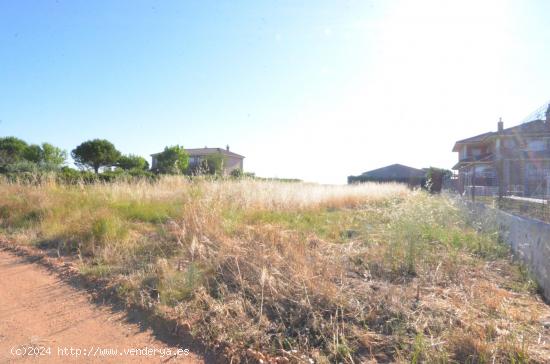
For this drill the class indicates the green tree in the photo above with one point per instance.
(12, 150)
(46, 154)
(95, 154)
(53, 155)
(33, 153)
(435, 179)
(214, 163)
(132, 162)
(173, 160)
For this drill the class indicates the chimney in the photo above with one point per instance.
(500, 125)
(227, 147)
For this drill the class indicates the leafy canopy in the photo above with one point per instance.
(435, 178)
(132, 162)
(12, 150)
(46, 154)
(173, 160)
(16, 151)
(33, 153)
(95, 154)
(214, 163)
(53, 155)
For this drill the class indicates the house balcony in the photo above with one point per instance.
(473, 158)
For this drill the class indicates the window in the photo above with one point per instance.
(463, 152)
(536, 145)
(509, 143)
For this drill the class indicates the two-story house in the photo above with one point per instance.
(231, 160)
(511, 161)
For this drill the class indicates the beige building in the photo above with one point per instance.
(231, 160)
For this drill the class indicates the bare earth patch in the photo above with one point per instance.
(39, 310)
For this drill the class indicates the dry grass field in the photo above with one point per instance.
(295, 272)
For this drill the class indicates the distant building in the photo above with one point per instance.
(231, 160)
(393, 173)
(515, 159)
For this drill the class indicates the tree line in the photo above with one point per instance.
(100, 155)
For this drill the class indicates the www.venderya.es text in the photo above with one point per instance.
(95, 351)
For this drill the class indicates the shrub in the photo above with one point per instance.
(112, 176)
(132, 162)
(22, 167)
(137, 173)
(214, 163)
(173, 160)
(435, 178)
(126, 176)
(237, 173)
(71, 176)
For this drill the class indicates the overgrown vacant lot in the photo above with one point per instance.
(266, 270)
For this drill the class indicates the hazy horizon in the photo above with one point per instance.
(316, 90)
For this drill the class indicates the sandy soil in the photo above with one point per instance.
(38, 311)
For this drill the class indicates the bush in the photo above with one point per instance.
(22, 167)
(29, 172)
(126, 176)
(112, 176)
(173, 160)
(71, 176)
(435, 178)
(214, 163)
(130, 162)
(237, 173)
(138, 173)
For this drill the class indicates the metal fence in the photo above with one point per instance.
(536, 208)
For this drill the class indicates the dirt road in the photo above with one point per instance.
(41, 314)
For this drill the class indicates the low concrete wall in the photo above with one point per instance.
(528, 238)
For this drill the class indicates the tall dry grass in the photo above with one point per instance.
(290, 270)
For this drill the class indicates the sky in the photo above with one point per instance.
(316, 90)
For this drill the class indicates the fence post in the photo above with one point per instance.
(500, 177)
(474, 183)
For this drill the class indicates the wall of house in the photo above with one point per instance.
(472, 150)
(529, 239)
(232, 163)
(513, 144)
